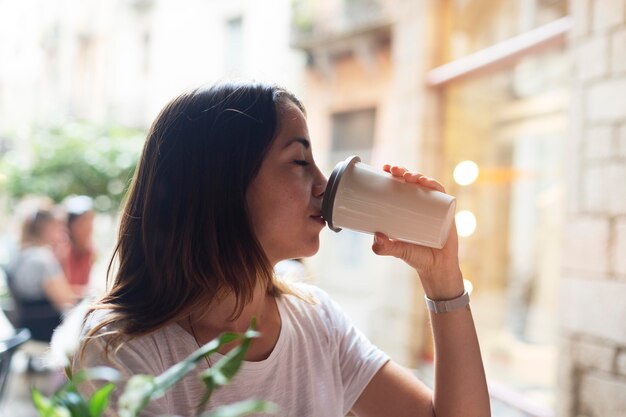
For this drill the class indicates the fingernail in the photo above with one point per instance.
(378, 240)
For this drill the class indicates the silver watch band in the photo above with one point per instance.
(448, 305)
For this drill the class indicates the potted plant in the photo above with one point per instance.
(141, 389)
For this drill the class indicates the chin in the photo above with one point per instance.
(312, 252)
(306, 251)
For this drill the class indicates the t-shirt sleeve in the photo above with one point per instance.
(50, 266)
(130, 359)
(35, 268)
(359, 359)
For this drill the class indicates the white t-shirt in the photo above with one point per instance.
(33, 266)
(319, 367)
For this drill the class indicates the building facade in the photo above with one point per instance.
(592, 375)
(122, 60)
(118, 62)
(518, 106)
(530, 93)
(364, 96)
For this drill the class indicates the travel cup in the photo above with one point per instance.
(362, 198)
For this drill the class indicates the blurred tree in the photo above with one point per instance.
(75, 158)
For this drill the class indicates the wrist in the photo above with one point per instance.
(443, 285)
(446, 306)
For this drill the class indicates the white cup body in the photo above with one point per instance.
(361, 198)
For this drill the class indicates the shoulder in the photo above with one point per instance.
(102, 325)
(103, 330)
(94, 319)
(308, 297)
(40, 253)
(41, 257)
(34, 264)
(105, 345)
(315, 305)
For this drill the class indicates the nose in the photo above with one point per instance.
(319, 187)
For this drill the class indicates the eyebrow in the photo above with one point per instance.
(301, 141)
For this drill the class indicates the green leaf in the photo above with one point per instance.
(47, 407)
(103, 373)
(100, 400)
(137, 393)
(225, 369)
(140, 389)
(243, 408)
(168, 378)
(72, 401)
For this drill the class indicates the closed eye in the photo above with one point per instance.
(301, 162)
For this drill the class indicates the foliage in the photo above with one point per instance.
(141, 389)
(75, 159)
(302, 19)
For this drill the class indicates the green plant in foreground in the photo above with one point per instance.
(141, 389)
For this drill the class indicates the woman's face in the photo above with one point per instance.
(285, 199)
(81, 229)
(53, 232)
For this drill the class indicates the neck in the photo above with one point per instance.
(218, 317)
(80, 247)
(207, 323)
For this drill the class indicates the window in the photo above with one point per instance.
(353, 134)
(233, 45)
(513, 124)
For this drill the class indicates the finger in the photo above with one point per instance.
(412, 177)
(416, 177)
(397, 171)
(387, 168)
(381, 244)
(431, 183)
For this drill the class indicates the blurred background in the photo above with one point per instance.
(517, 106)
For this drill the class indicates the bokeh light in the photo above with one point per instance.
(465, 223)
(466, 172)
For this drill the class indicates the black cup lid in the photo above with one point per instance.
(331, 190)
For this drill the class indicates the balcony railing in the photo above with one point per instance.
(340, 19)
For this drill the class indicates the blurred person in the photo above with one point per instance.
(227, 187)
(35, 276)
(77, 256)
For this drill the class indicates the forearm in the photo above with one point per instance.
(460, 383)
(59, 292)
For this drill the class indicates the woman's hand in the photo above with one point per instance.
(438, 268)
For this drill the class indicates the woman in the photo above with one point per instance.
(36, 278)
(78, 256)
(227, 187)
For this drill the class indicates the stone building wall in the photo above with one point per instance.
(593, 287)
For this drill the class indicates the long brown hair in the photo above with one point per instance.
(185, 233)
(34, 225)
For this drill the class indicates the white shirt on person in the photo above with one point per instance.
(32, 267)
(319, 366)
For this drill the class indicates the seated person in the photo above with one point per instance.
(35, 277)
(78, 257)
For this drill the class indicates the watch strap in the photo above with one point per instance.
(445, 306)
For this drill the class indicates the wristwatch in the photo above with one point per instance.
(446, 306)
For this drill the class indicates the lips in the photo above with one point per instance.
(318, 218)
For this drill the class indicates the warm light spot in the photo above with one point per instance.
(465, 172)
(465, 223)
